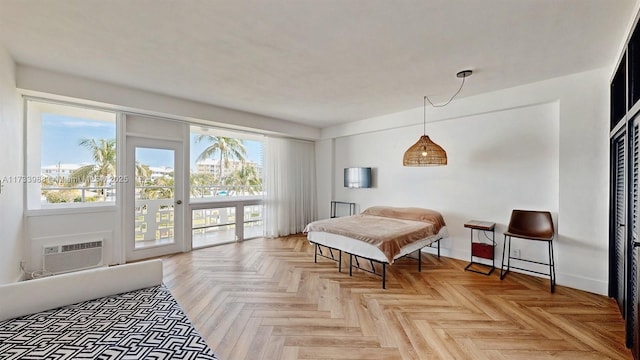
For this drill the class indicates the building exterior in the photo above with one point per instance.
(212, 166)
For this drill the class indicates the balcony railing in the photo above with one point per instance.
(154, 222)
(213, 222)
(77, 194)
(205, 191)
(85, 194)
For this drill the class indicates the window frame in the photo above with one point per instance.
(237, 134)
(33, 160)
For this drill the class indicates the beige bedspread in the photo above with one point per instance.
(387, 228)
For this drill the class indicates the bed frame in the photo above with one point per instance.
(331, 256)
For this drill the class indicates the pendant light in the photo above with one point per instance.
(425, 152)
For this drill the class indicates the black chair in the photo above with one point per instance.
(530, 225)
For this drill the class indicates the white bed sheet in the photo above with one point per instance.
(363, 249)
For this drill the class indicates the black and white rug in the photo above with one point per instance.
(142, 324)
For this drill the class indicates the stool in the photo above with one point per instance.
(530, 225)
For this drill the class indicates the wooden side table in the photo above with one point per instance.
(480, 249)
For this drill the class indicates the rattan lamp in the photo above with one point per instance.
(425, 152)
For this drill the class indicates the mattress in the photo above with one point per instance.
(142, 324)
(366, 250)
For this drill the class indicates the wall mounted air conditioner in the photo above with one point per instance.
(58, 259)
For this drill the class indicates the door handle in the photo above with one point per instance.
(636, 244)
(178, 202)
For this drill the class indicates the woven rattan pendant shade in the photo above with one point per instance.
(425, 153)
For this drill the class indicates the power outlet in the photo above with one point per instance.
(22, 265)
(515, 253)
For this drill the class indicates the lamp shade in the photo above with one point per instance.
(425, 153)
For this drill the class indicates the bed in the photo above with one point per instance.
(379, 234)
(122, 312)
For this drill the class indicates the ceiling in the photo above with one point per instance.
(316, 62)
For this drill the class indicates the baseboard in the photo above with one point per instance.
(573, 281)
(582, 283)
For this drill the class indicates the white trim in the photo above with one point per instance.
(595, 286)
(77, 209)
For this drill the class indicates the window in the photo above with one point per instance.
(226, 186)
(71, 156)
(225, 164)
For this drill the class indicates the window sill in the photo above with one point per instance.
(201, 203)
(71, 210)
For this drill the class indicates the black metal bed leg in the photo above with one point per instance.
(315, 254)
(350, 264)
(438, 249)
(384, 275)
(340, 261)
(419, 260)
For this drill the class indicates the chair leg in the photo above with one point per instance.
(503, 272)
(552, 269)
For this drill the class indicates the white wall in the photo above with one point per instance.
(539, 146)
(37, 80)
(45, 228)
(11, 164)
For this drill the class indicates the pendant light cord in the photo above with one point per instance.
(450, 100)
(424, 117)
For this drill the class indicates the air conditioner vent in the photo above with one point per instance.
(81, 246)
(58, 259)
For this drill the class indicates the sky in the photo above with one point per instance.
(61, 136)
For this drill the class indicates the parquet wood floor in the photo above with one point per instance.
(267, 299)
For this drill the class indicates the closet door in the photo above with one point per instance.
(634, 240)
(618, 254)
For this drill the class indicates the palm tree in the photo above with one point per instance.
(159, 188)
(143, 172)
(229, 148)
(103, 152)
(246, 178)
(201, 184)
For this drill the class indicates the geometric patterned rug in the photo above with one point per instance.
(142, 324)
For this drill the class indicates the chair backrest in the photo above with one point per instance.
(531, 224)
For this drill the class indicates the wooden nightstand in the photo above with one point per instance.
(480, 249)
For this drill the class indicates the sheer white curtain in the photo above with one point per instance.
(290, 188)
